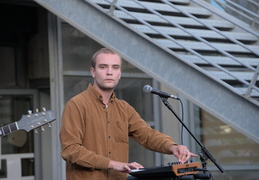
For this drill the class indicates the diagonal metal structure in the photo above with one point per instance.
(212, 67)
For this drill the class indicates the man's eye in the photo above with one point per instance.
(116, 67)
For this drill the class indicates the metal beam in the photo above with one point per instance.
(162, 64)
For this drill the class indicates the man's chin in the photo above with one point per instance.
(107, 88)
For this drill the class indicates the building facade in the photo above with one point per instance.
(45, 61)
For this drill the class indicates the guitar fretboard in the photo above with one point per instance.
(8, 129)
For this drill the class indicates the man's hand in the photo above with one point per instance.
(182, 153)
(124, 167)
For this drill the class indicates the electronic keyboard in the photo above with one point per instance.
(174, 170)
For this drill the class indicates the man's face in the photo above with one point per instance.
(107, 71)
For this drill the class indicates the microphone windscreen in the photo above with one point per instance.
(147, 88)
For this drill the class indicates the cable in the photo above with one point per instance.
(181, 130)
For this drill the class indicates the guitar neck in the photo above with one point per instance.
(7, 129)
(29, 122)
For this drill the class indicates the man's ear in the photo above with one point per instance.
(92, 72)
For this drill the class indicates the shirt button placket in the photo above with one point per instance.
(108, 132)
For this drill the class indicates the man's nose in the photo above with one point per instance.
(109, 71)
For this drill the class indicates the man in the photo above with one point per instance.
(96, 126)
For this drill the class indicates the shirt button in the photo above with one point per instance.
(110, 152)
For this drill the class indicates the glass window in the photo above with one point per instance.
(73, 85)
(77, 49)
(12, 109)
(18, 143)
(237, 153)
(7, 67)
(3, 170)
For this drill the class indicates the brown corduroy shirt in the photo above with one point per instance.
(93, 133)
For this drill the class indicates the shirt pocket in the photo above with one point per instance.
(121, 132)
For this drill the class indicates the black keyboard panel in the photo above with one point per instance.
(154, 172)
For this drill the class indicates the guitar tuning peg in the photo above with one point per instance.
(29, 113)
(43, 109)
(42, 128)
(35, 131)
(36, 114)
(49, 125)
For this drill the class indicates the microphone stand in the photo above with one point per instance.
(203, 148)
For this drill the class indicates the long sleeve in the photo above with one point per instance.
(150, 138)
(72, 134)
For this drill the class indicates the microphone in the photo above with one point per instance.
(149, 89)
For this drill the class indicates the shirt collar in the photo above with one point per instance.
(97, 95)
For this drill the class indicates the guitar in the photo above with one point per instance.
(29, 122)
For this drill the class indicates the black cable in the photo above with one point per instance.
(181, 131)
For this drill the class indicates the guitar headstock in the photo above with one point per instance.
(35, 120)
